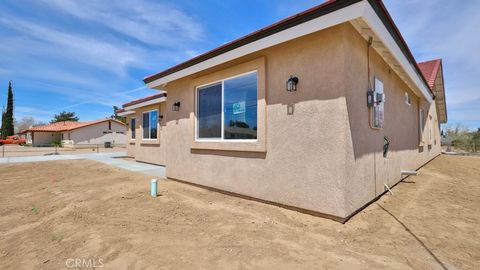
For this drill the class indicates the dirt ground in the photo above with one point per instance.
(23, 151)
(104, 217)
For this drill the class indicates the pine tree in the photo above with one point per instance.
(115, 115)
(8, 128)
(64, 116)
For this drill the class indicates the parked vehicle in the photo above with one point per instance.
(13, 140)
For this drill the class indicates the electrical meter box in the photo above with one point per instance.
(370, 98)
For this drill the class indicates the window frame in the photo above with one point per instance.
(133, 128)
(222, 138)
(149, 125)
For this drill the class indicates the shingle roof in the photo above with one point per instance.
(140, 100)
(430, 70)
(67, 125)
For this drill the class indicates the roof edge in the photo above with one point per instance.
(318, 11)
(309, 14)
(86, 124)
(144, 99)
(397, 36)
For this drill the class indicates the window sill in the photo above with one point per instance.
(150, 142)
(237, 146)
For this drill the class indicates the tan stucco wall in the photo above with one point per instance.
(150, 151)
(304, 161)
(130, 141)
(322, 157)
(367, 169)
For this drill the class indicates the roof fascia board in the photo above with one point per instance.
(96, 123)
(125, 113)
(328, 20)
(377, 26)
(361, 9)
(145, 103)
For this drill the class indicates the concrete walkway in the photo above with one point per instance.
(130, 165)
(112, 159)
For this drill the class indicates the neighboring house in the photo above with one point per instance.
(285, 115)
(78, 134)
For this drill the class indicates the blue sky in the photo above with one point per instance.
(86, 56)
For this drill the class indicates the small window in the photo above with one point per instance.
(420, 124)
(227, 110)
(379, 107)
(408, 99)
(109, 125)
(430, 129)
(150, 129)
(132, 127)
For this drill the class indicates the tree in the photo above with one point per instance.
(7, 115)
(462, 138)
(476, 140)
(2, 130)
(64, 116)
(26, 123)
(115, 115)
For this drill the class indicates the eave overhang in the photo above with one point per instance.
(371, 15)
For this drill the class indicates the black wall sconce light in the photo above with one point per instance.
(176, 106)
(292, 84)
(160, 117)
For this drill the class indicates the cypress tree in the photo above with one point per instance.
(9, 112)
(7, 121)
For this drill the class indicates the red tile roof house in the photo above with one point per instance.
(320, 112)
(78, 134)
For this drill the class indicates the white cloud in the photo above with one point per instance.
(149, 22)
(38, 114)
(55, 44)
(79, 67)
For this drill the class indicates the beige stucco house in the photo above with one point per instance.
(78, 134)
(319, 112)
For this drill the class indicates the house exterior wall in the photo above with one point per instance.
(367, 170)
(130, 141)
(315, 149)
(303, 160)
(96, 134)
(149, 151)
(43, 138)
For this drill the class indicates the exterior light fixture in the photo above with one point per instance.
(176, 106)
(292, 84)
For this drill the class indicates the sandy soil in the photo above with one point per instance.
(105, 216)
(23, 151)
